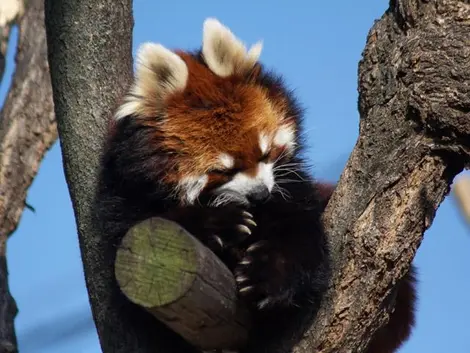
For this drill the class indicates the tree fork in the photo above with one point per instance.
(414, 138)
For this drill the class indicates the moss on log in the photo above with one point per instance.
(164, 269)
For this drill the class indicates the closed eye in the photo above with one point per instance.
(225, 172)
(264, 157)
(278, 154)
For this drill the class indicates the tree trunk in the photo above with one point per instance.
(27, 130)
(90, 43)
(414, 138)
(414, 101)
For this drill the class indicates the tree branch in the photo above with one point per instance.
(27, 131)
(414, 86)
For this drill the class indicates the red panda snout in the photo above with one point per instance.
(253, 188)
(241, 186)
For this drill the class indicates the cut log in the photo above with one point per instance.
(164, 269)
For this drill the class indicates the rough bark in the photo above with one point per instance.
(414, 101)
(414, 138)
(90, 47)
(27, 130)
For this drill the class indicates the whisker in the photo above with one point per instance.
(283, 170)
(298, 175)
(286, 172)
(283, 174)
(282, 191)
(288, 181)
(305, 132)
(287, 165)
(283, 153)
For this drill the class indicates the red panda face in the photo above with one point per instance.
(223, 130)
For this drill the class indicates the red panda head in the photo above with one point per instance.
(222, 121)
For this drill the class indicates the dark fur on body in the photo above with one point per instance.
(291, 265)
(289, 262)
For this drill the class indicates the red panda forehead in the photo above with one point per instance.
(218, 110)
(236, 93)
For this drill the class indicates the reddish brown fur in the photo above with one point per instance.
(215, 115)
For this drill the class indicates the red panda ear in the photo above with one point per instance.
(159, 72)
(224, 53)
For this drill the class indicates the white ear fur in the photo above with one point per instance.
(224, 53)
(159, 72)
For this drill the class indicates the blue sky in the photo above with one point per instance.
(317, 46)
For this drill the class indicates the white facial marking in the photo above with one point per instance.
(226, 160)
(263, 143)
(191, 187)
(285, 136)
(266, 175)
(131, 106)
(244, 184)
(158, 73)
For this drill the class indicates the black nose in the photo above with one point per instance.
(259, 194)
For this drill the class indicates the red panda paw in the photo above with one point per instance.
(228, 227)
(262, 276)
(222, 229)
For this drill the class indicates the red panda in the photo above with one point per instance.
(392, 335)
(212, 140)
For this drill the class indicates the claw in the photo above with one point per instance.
(249, 221)
(247, 214)
(218, 240)
(255, 246)
(243, 229)
(240, 279)
(262, 303)
(246, 289)
(245, 261)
